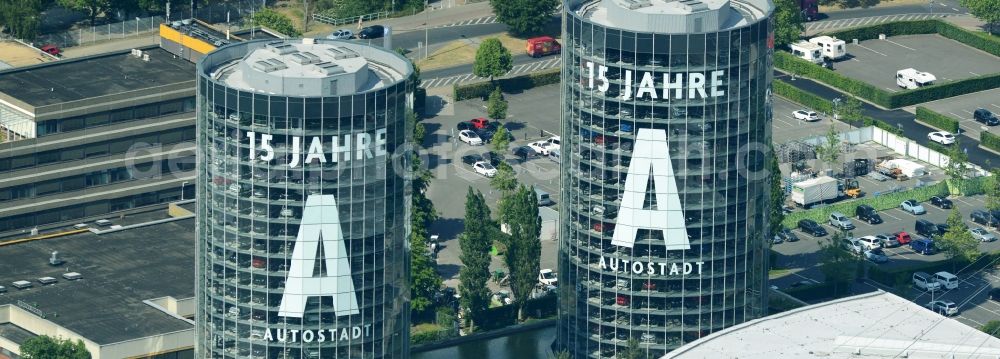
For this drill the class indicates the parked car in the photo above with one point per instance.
(985, 117)
(902, 238)
(923, 246)
(524, 153)
(812, 228)
(868, 214)
(805, 115)
(471, 159)
(995, 294)
(942, 137)
(870, 242)
(947, 280)
(547, 277)
(887, 240)
(540, 146)
(839, 220)
(942, 228)
(925, 281)
(876, 255)
(943, 307)
(984, 218)
(787, 235)
(485, 168)
(372, 32)
(982, 235)
(912, 206)
(470, 137)
(342, 34)
(941, 202)
(852, 245)
(925, 228)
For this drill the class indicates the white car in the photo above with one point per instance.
(554, 143)
(806, 115)
(870, 242)
(913, 207)
(485, 168)
(942, 137)
(540, 147)
(470, 137)
(982, 235)
(547, 277)
(342, 34)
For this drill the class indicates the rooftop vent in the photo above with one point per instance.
(329, 68)
(22, 284)
(269, 65)
(694, 5)
(47, 280)
(55, 260)
(636, 4)
(305, 58)
(280, 47)
(72, 276)
(340, 53)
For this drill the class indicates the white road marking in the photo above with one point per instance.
(890, 216)
(995, 105)
(890, 89)
(973, 73)
(869, 49)
(901, 45)
(971, 320)
(956, 10)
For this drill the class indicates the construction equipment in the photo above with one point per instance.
(851, 188)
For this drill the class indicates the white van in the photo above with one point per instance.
(832, 47)
(911, 79)
(808, 51)
(925, 281)
(947, 280)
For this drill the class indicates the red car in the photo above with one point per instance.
(621, 300)
(51, 50)
(479, 123)
(903, 238)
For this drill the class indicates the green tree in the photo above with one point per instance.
(850, 4)
(475, 242)
(419, 130)
(524, 249)
(276, 21)
(20, 18)
(496, 107)
(775, 215)
(957, 243)
(492, 59)
(93, 8)
(986, 10)
(424, 279)
(445, 318)
(992, 189)
(525, 16)
(633, 350)
(992, 328)
(564, 354)
(850, 110)
(787, 22)
(46, 347)
(958, 161)
(501, 141)
(829, 150)
(839, 266)
(506, 178)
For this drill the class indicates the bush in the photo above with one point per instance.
(944, 90)
(968, 186)
(426, 333)
(879, 202)
(989, 140)
(937, 120)
(508, 85)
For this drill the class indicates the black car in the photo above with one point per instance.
(471, 159)
(941, 202)
(986, 117)
(524, 153)
(868, 214)
(942, 228)
(925, 228)
(786, 235)
(995, 294)
(812, 228)
(984, 218)
(372, 32)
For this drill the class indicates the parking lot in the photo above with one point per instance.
(876, 61)
(786, 128)
(961, 108)
(971, 296)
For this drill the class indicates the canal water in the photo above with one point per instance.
(533, 344)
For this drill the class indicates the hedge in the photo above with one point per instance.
(817, 103)
(513, 84)
(880, 202)
(788, 62)
(903, 276)
(968, 186)
(937, 120)
(428, 333)
(982, 41)
(818, 291)
(989, 140)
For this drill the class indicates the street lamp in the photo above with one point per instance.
(427, 16)
(182, 189)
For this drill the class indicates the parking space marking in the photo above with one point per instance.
(903, 46)
(869, 49)
(971, 320)
(973, 73)
(994, 105)
(892, 250)
(891, 216)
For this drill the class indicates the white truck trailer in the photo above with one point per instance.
(831, 47)
(911, 79)
(808, 51)
(816, 190)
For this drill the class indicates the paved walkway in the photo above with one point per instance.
(452, 16)
(111, 46)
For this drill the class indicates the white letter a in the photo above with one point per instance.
(320, 223)
(651, 154)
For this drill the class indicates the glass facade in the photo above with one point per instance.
(292, 190)
(662, 252)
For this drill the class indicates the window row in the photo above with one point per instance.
(143, 142)
(51, 127)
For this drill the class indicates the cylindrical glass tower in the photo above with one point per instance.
(302, 219)
(665, 117)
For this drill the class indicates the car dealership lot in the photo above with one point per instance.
(876, 61)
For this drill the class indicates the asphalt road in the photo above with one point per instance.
(943, 6)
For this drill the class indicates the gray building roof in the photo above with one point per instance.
(873, 325)
(672, 16)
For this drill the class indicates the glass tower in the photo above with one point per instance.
(665, 120)
(302, 207)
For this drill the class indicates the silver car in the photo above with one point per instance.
(982, 235)
(342, 34)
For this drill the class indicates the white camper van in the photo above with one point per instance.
(832, 47)
(808, 51)
(912, 79)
